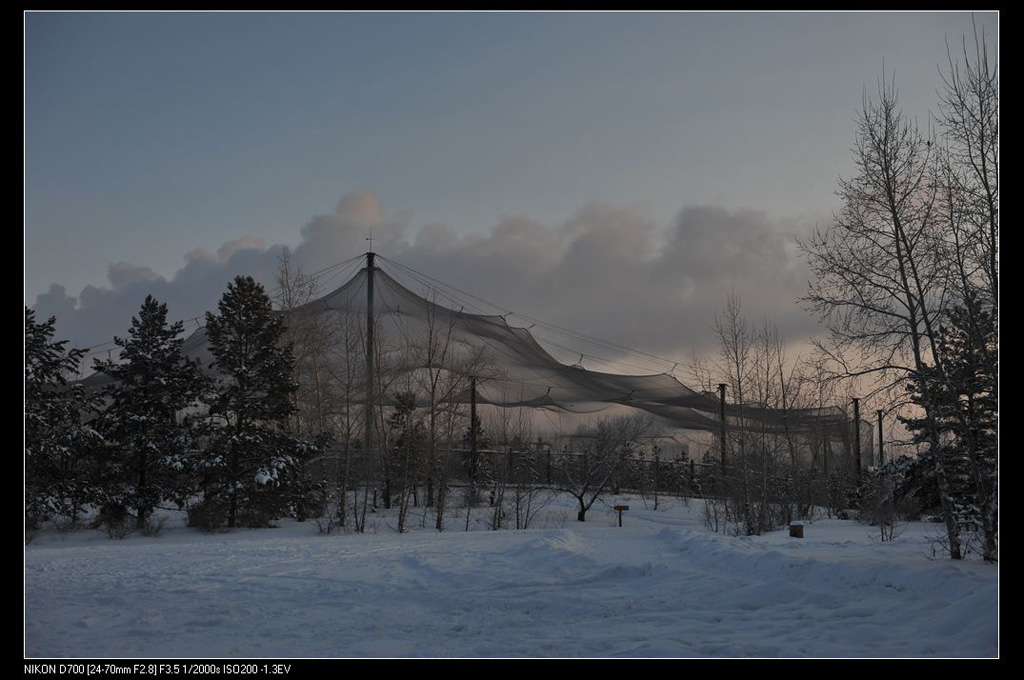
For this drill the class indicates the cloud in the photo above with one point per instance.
(225, 252)
(55, 302)
(609, 271)
(123, 274)
(614, 273)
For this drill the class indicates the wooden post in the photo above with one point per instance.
(856, 433)
(721, 416)
(620, 509)
(656, 476)
(881, 451)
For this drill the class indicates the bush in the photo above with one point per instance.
(32, 521)
(119, 529)
(153, 527)
(209, 514)
(327, 510)
(314, 500)
(883, 507)
(114, 519)
(65, 524)
(257, 517)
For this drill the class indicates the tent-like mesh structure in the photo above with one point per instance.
(417, 332)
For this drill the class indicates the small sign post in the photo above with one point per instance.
(620, 509)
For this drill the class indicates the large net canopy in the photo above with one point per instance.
(427, 331)
(441, 330)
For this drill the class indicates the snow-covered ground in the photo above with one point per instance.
(660, 586)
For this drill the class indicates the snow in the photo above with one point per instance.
(660, 586)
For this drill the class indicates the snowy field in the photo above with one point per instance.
(661, 586)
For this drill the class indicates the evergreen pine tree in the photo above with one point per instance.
(252, 461)
(59, 442)
(962, 394)
(148, 443)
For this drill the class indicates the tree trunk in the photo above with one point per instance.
(948, 516)
(140, 508)
(343, 487)
(233, 505)
(441, 497)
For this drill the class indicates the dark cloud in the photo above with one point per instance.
(226, 251)
(123, 274)
(609, 271)
(55, 302)
(328, 239)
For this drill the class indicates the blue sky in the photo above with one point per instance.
(151, 135)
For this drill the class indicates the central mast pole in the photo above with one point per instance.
(370, 371)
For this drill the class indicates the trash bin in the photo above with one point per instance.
(796, 529)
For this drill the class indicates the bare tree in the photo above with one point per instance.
(436, 356)
(736, 363)
(515, 491)
(968, 177)
(310, 336)
(752, 494)
(346, 372)
(447, 419)
(408, 438)
(879, 271)
(826, 480)
(529, 495)
(448, 367)
(391, 377)
(608, 444)
(969, 120)
(773, 448)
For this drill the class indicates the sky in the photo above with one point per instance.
(615, 173)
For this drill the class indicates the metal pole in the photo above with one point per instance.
(721, 416)
(881, 451)
(856, 432)
(368, 437)
(472, 432)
